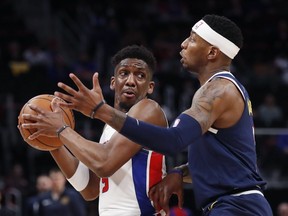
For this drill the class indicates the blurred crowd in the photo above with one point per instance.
(32, 64)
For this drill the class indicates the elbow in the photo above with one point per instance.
(90, 197)
(102, 170)
(90, 193)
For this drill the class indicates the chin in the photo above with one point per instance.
(126, 106)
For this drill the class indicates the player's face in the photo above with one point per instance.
(194, 52)
(131, 82)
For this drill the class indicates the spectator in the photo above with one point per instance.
(4, 210)
(269, 113)
(43, 184)
(282, 209)
(61, 200)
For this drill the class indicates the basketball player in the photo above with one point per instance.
(217, 128)
(127, 170)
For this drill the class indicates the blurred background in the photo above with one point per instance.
(42, 41)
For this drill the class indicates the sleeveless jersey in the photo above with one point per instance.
(125, 193)
(224, 160)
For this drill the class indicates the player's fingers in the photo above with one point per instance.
(65, 97)
(30, 117)
(29, 125)
(151, 192)
(67, 88)
(96, 85)
(36, 109)
(154, 197)
(21, 132)
(77, 82)
(164, 202)
(55, 105)
(34, 135)
(180, 199)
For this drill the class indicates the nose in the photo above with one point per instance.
(130, 80)
(184, 44)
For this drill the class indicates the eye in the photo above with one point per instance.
(123, 73)
(141, 75)
(191, 38)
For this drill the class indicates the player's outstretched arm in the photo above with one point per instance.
(212, 104)
(174, 138)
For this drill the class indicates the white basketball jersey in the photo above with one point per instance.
(125, 193)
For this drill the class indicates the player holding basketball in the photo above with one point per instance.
(127, 169)
(217, 128)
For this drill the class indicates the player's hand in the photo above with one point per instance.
(161, 193)
(83, 100)
(45, 122)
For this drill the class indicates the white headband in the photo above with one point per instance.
(214, 38)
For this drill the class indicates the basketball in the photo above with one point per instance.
(42, 142)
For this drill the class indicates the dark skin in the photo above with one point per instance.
(217, 103)
(171, 184)
(131, 83)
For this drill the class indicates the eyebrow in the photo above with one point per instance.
(137, 65)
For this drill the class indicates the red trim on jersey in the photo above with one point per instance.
(155, 171)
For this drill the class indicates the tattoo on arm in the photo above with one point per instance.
(202, 106)
(117, 119)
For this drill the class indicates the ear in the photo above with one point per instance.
(151, 87)
(112, 83)
(213, 52)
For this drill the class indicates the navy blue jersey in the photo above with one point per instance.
(70, 203)
(223, 160)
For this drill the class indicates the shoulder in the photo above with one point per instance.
(220, 88)
(150, 111)
(147, 104)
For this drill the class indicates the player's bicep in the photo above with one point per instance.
(209, 103)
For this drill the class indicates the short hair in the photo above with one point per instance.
(225, 27)
(136, 51)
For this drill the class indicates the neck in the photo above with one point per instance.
(206, 74)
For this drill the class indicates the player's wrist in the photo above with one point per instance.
(181, 170)
(60, 130)
(176, 171)
(80, 178)
(96, 108)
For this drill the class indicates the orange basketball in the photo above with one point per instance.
(42, 142)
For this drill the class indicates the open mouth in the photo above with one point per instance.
(129, 93)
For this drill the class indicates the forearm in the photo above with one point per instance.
(168, 141)
(68, 165)
(65, 161)
(92, 154)
(111, 116)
